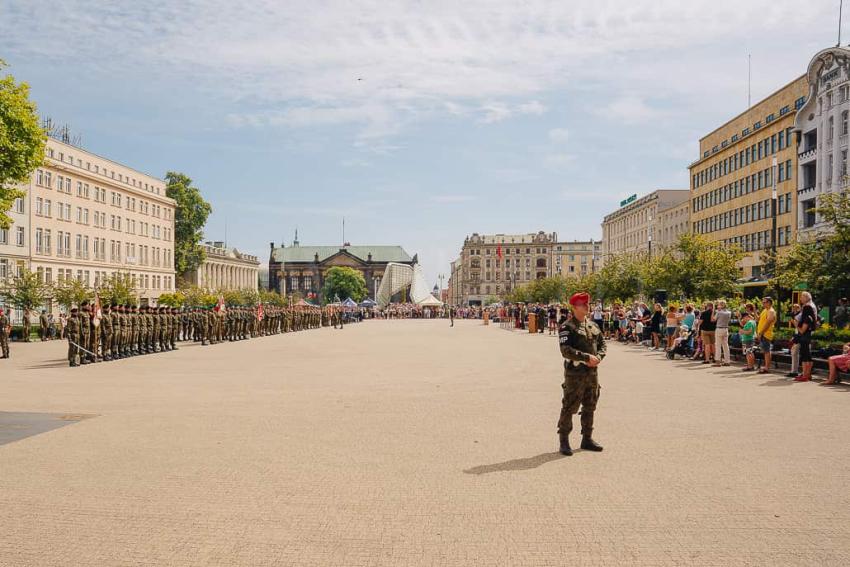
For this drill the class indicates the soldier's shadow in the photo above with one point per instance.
(516, 464)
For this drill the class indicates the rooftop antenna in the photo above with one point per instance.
(840, 9)
(750, 79)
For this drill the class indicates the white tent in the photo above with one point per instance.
(399, 276)
(430, 301)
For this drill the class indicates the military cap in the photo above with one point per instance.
(580, 298)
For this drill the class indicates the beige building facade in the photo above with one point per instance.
(524, 257)
(225, 269)
(740, 164)
(87, 217)
(577, 258)
(672, 223)
(638, 224)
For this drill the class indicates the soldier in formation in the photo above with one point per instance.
(123, 331)
(5, 331)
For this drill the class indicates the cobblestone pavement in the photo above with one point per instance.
(409, 443)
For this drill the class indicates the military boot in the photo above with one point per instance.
(588, 444)
(565, 444)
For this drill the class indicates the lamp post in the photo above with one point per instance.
(649, 231)
(773, 215)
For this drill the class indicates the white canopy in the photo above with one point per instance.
(399, 276)
(430, 301)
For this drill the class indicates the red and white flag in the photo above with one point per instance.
(499, 251)
(98, 311)
(260, 312)
(219, 308)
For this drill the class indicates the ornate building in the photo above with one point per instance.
(492, 264)
(225, 269)
(822, 130)
(302, 269)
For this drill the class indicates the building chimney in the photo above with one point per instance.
(271, 245)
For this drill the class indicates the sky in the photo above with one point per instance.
(418, 122)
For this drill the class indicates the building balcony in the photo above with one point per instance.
(807, 155)
(842, 140)
(810, 189)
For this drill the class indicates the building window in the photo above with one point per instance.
(19, 236)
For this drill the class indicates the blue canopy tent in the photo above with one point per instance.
(368, 303)
(349, 303)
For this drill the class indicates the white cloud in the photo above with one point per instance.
(629, 110)
(559, 135)
(381, 66)
(559, 159)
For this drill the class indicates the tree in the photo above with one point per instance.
(272, 298)
(823, 264)
(25, 291)
(22, 142)
(621, 276)
(176, 299)
(343, 282)
(118, 289)
(70, 292)
(190, 216)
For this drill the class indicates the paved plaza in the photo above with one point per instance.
(411, 443)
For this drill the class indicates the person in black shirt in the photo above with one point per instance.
(803, 337)
(706, 331)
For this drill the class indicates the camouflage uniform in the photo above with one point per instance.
(578, 341)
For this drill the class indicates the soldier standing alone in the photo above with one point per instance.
(583, 348)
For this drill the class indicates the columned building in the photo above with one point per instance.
(86, 217)
(822, 127)
(301, 269)
(634, 227)
(740, 164)
(493, 264)
(225, 269)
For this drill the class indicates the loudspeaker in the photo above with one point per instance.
(661, 296)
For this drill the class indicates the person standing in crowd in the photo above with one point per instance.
(689, 318)
(5, 330)
(722, 316)
(803, 336)
(583, 348)
(707, 327)
(63, 322)
(655, 325)
(767, 321)
(748, 333)
(838, 362)
(552, 317)
(452, 315)
(673, 318)
(796, 314)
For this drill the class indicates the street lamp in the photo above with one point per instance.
(649, 231)
(773, 215)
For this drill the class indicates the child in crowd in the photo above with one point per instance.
(748, 336)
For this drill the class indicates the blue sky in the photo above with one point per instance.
(419, 122)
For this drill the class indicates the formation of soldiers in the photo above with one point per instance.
(123, 331)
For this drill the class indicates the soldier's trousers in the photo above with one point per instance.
(73, 351)
(581, 388)
(4, 344)
(106, 343)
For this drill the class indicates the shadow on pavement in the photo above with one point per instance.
(516, 464)
(55, 364)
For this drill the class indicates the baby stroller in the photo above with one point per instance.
(683, 345)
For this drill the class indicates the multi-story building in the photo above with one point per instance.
(822, 127)
(672, 223)
(302, 269)
(740, 163)
(492, 264)
(225, 269)
(455, 282)
(634, 227)
(87, 217)
(577, 258)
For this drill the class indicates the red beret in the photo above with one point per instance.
(581, 297)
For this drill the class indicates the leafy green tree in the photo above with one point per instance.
(272, 298)
(344, 282)
(71, 291)
(25, 290)
(176, 299)
(22, 142)
(118, 289)
(190, 216)
(621, 276)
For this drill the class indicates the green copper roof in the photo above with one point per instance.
(308, 253)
